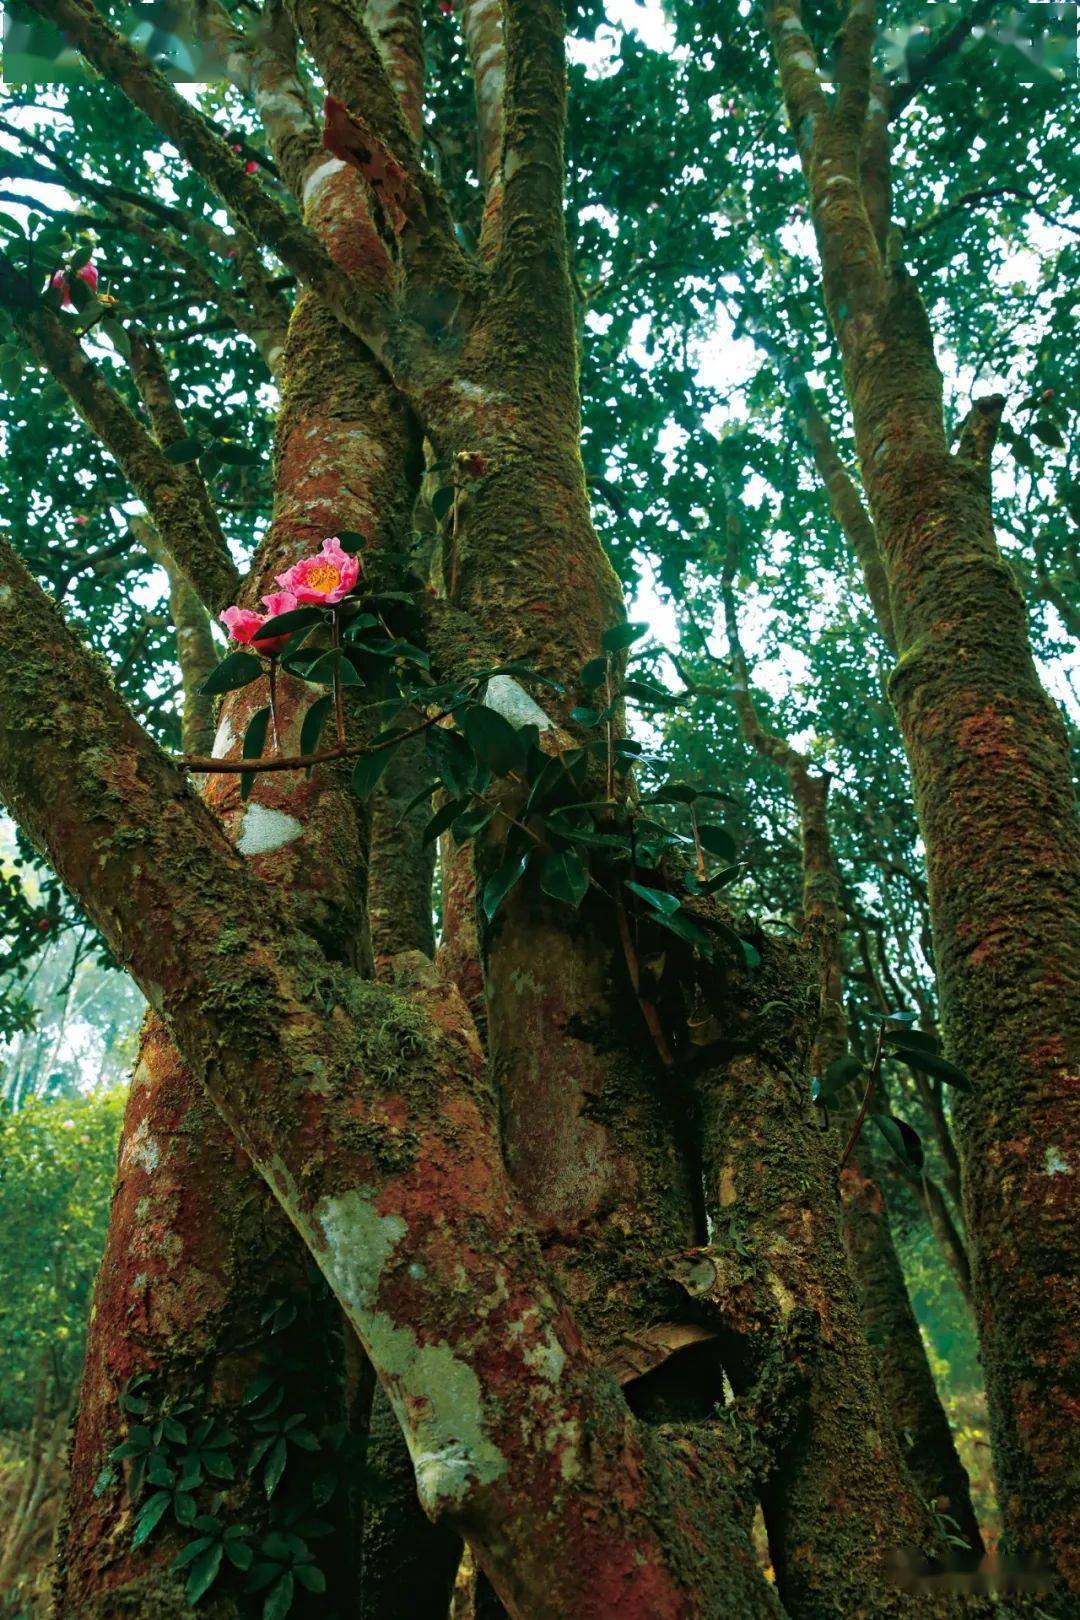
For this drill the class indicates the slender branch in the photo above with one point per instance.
(188, 527)
(299, 762)
(482, 24)
(210, 155)
(943, 48)
(871, 1082)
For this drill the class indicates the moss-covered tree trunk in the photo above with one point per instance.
(990, 767)
(204, 1289)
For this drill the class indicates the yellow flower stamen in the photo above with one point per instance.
(323, 577)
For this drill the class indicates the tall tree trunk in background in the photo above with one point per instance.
(989, 762)
(911, 1397)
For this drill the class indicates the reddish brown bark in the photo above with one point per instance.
(386, 1157)
(990, 766)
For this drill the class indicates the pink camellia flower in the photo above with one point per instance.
(325, 578)
(242, 623)
(88, 273)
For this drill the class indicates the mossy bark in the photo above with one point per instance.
(197, 1248)
(369, 1116)
(990, 766)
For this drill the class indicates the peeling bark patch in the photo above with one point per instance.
(265, 829)
(436, 1395)
(511, 700)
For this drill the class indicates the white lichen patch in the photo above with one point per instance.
(436, 1395)
(511, 700)
(1054, 1164)
(142, 1149)
(265, 829)
(224, 740)
(319, 176)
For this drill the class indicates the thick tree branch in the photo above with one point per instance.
(368, 1113)
(482, 23)
(397, 28)
(534, 110)
(184, 518)
(263, 68)
(978, 435)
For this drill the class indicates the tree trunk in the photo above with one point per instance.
(990, 765)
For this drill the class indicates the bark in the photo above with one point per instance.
(989, 761)
(198, 1251)
(911, 1395)
(374, 1127)
(914, 1408)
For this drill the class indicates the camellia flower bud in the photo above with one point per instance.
(244, 624)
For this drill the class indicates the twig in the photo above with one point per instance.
(871, 1082)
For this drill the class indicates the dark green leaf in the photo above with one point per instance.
(314, 720)
(621, 635)
(203, 1573)
(594, 674)
(838, 1076)
(444, 817)
(659, 899)
(688, 931)
(311, 1576)
(720, 881)
(150, 1516)
(255, 735)
(564, 876)
(932, 1063)
(500, 883)
(442, 501)
(236, 455)
(284, 624)
(452, 757)
(718, 841)
(180, 451)
(187, 1555)
(368, 771)
(235, 670)
(652, 696)
(494, 740)
(352, 541)
(275, 1466)
(904, 1141)
(279, 1598)
(585, 717)
(471, 823)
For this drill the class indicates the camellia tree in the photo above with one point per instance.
(536, 1241)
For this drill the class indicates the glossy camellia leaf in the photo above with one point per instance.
(235, 670)
(621, 635)
(501, 881)
(660, 900)
(314, 720)
(369, 770)
(904, 1141)
(564, 876)
(718, 841)
(182, 451)
(909, 1048)
(493, 739)
(444, 817)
